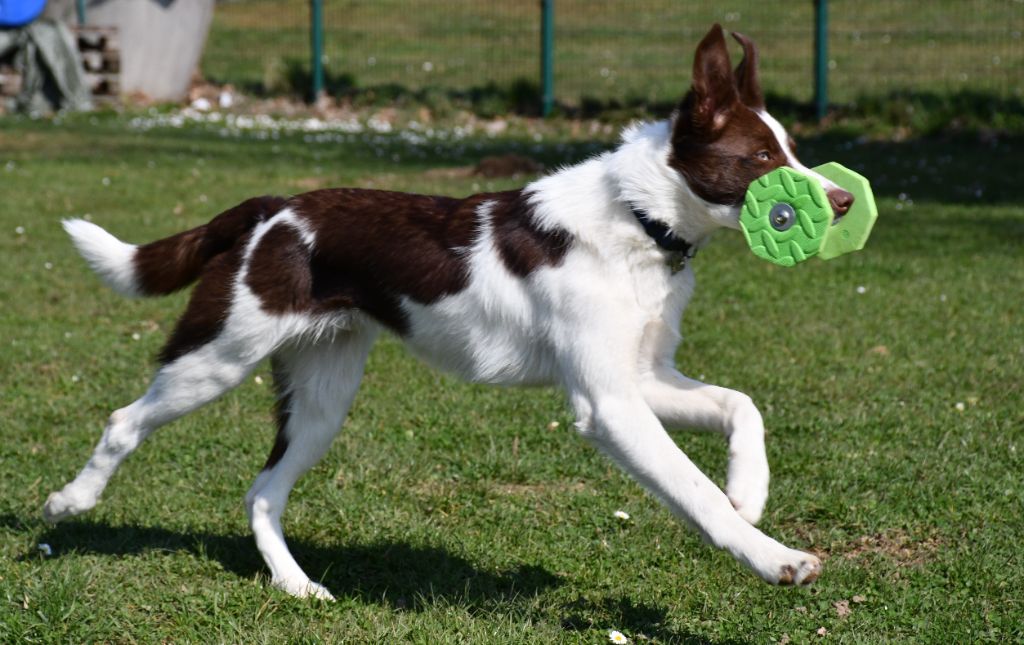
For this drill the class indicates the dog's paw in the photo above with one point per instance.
(64, 504)
(303, 588)
(801, 569)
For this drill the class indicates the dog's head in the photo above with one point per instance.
(723, 138)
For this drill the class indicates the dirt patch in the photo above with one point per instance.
(527, 490)
(510, 165)
(459, 172)
(493, 167)
(904, 549)
(310, 183)
(383, 181)
(435, 487)
(11, 141)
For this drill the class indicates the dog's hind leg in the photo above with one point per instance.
(216, 343)
(681, 402)
(179, 387)
(316, 385)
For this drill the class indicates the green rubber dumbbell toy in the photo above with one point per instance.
(786, 217)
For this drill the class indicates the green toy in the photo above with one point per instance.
(786, 217)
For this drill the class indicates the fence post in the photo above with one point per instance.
(821, 58)
(547, 56)
(316, 28)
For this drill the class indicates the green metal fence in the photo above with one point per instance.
(608, 52)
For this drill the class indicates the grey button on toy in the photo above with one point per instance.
(781, 216)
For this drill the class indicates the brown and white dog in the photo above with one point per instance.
(579, 279)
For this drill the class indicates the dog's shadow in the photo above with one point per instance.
(397, 574)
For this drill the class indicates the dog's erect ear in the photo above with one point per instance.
(714, 87)
(747, 83)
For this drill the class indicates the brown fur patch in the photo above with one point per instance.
(212, 252)
(174, 262)
(279, 271)
(719, 166)
(786, 575)
(207, 309)
(747, 82)
(282, 413)
(522, 245)
(375, 247)
(280, 439)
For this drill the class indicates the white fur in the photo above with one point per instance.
(323, 379)
(108, 256)
(791, 160)
(603, 324)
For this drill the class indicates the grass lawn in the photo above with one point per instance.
(613, 51)
(890, 382)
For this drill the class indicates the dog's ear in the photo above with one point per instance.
(747, 82)
(714, 86)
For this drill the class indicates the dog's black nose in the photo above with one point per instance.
(841, 201)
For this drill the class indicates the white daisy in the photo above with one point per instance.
(617, 637)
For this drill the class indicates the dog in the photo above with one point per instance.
(579, 280)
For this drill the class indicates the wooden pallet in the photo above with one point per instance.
(101, 57)
(10, 81)
(100, 49)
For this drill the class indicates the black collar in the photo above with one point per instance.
(663, 236)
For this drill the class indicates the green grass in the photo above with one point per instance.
(451, 513)
(610, 52)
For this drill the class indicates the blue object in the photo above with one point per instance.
(15, 13)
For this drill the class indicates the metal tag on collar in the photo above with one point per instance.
(677, 262)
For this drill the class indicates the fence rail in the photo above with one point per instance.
(608, 52)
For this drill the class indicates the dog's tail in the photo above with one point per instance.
(164, 266)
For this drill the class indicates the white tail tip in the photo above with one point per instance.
(109, 257)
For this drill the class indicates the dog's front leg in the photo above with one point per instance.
(681, 402)
(620, 423)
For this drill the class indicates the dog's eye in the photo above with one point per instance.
(763, 155)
